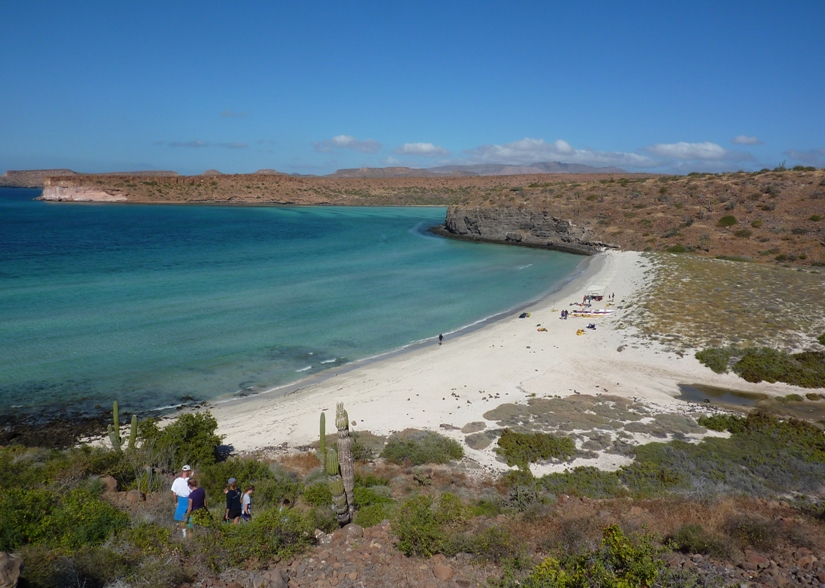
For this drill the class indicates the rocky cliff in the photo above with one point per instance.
(526, 227)
(32, 178)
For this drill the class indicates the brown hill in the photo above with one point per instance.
(32, 178)
(765, 216)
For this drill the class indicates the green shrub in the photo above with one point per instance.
(368, 497)
(67, 519)
(424, 527)
(584, 481)
(421, 447)
(821, 339)
(273, 533)
(318, 494)
(805, 369)
(751, 530)
(716, 358)
(371, 515)
(272, 483)
(188, 439)
(727, 221)
(756, 224)
(722, 422)
(743, 233)
(815, 218)
(522, 449)
(619, 563)
(678, 248)
(493, 544)
(695, 539)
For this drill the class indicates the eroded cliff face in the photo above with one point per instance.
(63, 193)
(532, 228)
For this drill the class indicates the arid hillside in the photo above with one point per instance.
(774, 216)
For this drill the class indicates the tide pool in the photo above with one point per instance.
(158, 305)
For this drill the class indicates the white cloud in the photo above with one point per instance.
(696, 151)
(814, 157)
(745, 140)
(527, 151)
(391, 161)
(196, 143)
(425, 149)
(347, 142)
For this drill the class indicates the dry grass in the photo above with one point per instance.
(693, 303)
(303, 463)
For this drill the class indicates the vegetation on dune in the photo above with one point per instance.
(420, 447)
(805, 369)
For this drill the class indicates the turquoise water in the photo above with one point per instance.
(158, 305)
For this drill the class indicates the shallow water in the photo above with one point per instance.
(156, 305)
(701, 393)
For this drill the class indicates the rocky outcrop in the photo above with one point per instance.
(10, 568)
(60, 193)
(526, 227)
(32, 178)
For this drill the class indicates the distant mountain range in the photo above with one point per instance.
(483, 169)
(34, 178)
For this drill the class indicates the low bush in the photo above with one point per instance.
(424, 526)
(584, 481)
(743, 233)
(727, 221)
(189, 439)
(619, 562)
(751, 530)
(805, 369)
(522, 449)
(716, 358)
(821, 339)
(691, 538)
(421, 447)
(317, 494)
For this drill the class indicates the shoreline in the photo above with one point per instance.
(507, 361)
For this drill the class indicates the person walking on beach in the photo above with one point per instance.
(233, 502)
(440, 338)
(246, 504)
(180, 491)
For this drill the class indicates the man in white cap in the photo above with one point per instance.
(180, 490)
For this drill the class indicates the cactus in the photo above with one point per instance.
(114, 430)
(133, 432)
(322, 447)
(345, 456)
(336, 487)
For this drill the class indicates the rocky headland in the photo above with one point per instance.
(769, 216)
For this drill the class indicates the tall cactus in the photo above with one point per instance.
(322, 447)
(336, 487)
(133, 432)
(345, 456)
(114, 431)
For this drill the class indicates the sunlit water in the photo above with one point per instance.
(155, 305)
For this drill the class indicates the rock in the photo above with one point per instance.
(442, 572)
(353, 532)
(135, 496)
(110, 483)
(10, 568)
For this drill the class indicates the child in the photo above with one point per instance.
(246, 504)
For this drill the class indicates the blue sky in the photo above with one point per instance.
(311, 87)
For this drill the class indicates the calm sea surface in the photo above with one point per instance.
(155, 305)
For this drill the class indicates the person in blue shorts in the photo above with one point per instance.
(180, 491)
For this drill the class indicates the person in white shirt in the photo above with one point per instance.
(180, 491)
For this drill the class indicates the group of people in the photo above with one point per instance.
(190, 499)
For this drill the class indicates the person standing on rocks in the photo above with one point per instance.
(180, 492)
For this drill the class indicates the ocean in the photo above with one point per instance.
(160, 305)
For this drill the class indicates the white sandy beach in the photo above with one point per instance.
(457, 382)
